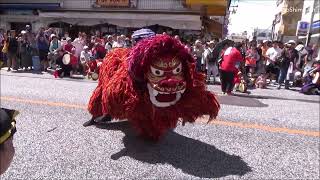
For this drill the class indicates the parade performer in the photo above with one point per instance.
(153, 85)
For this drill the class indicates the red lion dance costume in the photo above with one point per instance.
(153, 85)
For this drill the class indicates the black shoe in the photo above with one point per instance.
(89, 123)
(103, 119)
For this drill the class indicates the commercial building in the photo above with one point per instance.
(284, 26)
(308, 5)
(183, 17)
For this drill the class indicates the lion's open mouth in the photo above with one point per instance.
(164, 99)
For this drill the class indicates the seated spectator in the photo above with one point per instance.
(261, 81)
(7, 130)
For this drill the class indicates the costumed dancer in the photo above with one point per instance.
(137, 36)
(7, 130)
(153, 85)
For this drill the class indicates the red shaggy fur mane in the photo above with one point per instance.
(122, 91)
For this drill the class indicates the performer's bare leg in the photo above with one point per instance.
(98, 120)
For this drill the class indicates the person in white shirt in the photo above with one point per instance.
(108, 43)
(119, 43)
(272, 55)
(85, 56)
(211, 62)
(79, 43)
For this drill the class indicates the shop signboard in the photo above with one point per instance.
(113, 3)
(302, 28)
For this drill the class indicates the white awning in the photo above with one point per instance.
(175, 21)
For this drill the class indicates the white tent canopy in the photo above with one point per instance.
(175, 21)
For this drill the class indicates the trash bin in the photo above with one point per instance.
(36, 63)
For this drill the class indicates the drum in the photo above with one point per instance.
(316, 78)
(94, 76)
(66, 59)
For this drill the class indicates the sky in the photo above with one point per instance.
(252, 14)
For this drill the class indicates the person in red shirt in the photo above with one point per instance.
(231, 59)
(70, 49)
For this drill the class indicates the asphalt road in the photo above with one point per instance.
(267, 134)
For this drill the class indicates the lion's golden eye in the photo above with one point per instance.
(177, 70)
(157, 72)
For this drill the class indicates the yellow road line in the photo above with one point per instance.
(216, 122)
(48, 103)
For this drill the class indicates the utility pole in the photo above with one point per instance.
(310, 25)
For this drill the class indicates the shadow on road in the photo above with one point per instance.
(276, 98)
(191, 156)
(238, 100)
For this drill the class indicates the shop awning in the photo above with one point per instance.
(26, 6)
(138, 20)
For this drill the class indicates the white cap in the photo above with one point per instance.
(23, 32)
(68, 39)
(291, 42)
(211, 42)
(85, 47)
(198, 41)
(264, 41)
(53, 35)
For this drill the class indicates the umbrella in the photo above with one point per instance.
(219, 46)
(142, 33)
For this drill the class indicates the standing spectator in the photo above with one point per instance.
(43, 46)
(252, 57)
(12, 50)
(5, 47)
(54, 47)
(48, 33)
(197, 52)
(98, 51)
(2, 44)
(288, 56)
(35, 63)
(118, 43)
(108, 43)
(264, 49)
(271, 57)
(231, 60)
(211, 61)
(127, 43)
(85, 56)
(78, 43)
(25, 51)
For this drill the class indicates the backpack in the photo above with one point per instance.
(212, 57)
